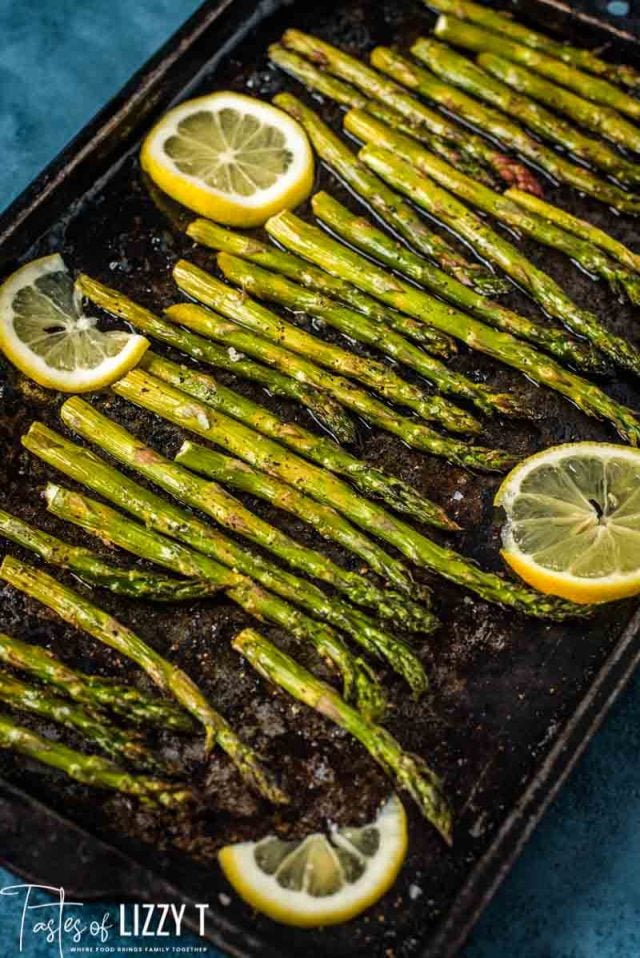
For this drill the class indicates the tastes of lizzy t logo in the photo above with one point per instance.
(57, 921)
(45, 913)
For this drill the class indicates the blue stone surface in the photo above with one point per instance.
(575, 892)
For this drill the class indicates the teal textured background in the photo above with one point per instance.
(575, 893)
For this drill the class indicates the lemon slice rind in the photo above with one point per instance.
(33, 365)
(299, 908)
(566, 526)
(289, 189)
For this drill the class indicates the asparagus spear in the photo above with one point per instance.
(241, 309)
(457, 70)
(311, 242)
(387, 205)
(599, 91)
(237, 244)
(132, 583)
(577, 226)
(92, 516)
(252, 316)
(326, 520)
(361, 233)
(237, 473)
(322, 407)
(29, 698)
(149, 393)
(194, 491)
(266, 285)
(347, 95)
(414, 433)
(373, 482)
(475, 80)
(156, 513)
(608, 123)
(97, 695)
(82, 614)
(393, 96)
(330, 414)
(210, 499)
(88, 769)
(499, 206)
(502, 24)
(427, 194)
(409, 771)
(320, 82)
(215, 502)
(214, 551)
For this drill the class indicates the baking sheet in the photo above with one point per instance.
(514, 699)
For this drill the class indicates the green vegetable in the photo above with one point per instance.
(346, 95)
(364, 235)
(579, 227)
(324, 519)
(237, 244)
(456, 71)
(542, 287)
(149, 393)
(602, 120)
(502, 24)
(373, 482)
(476, 81)
(307, 241)
(415, 433)
(132, 583)
(96, 694)
(272, 287)
(88, 769)
(409, 771)
(591, 88)
(22, 697)
(211, 499)
(82, 614)
(500, 207)
(146, 542)
(321, 406)
(391, 95)
(237, 306)
(390, 207)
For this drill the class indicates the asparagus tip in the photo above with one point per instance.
(451, 525)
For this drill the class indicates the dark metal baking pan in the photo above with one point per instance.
(515, 700)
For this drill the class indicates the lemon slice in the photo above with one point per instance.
(573, 521)
(320, 880)
(230, 157)
(44, 332)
